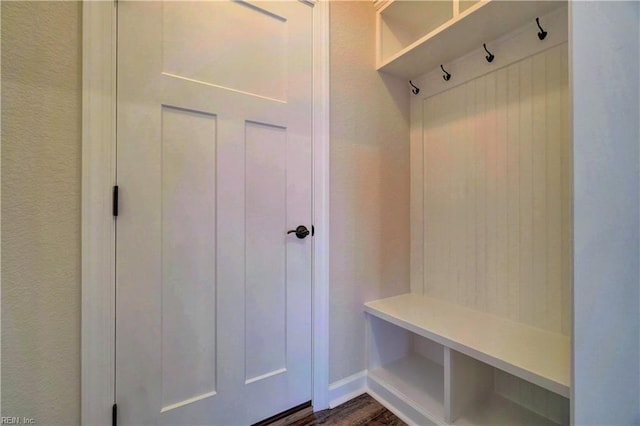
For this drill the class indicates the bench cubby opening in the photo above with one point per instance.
(407, 369)
(479, 394)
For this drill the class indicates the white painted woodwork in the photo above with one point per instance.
(497, 410)
(495, 171)
(213, 297)
(536, 355)
(346, 389)
(534, 398)
(409, 50)
(417, 380)
(378, 4)
(214, 60)
(321, 154)
(188, 255)
(402, 22)
(416, 199)
(491, 223)
(265, 279)
(510, 48)
(468, 382)
(428, 349)
(98, 225)
(398, 404)
(464, 5)
(425, 381)
(385, 343)
(406, 367)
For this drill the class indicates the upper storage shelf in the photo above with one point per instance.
(414, 37)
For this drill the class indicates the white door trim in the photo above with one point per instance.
(320, 211)
(98, 225)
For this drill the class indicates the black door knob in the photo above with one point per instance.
(301, 232)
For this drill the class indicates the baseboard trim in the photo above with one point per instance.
(389, 406)
(347, 388)
(406, 410)
(357, 384)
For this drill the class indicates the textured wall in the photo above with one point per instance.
(606, 212)
(41, 145)
(369, 183)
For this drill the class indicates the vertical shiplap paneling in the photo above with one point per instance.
(525, 133)
(429, 133)
(540, 222)
(496, 187)
(501, 198)
(470, 179)
(479, 149)
(448, 190)
(513, 193)
(491, 194)
(556, 255)
(443, 157)
(458, 169)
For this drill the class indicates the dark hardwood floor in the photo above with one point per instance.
(363, 410)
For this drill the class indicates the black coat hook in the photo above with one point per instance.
(446, 75)
(415, 89)
(542, 34)
(490, 57)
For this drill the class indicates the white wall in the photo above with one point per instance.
(41, 151)
(605, 75)
(369, 183)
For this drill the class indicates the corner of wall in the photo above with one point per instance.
(369, 253)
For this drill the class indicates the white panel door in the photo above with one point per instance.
(214, 167)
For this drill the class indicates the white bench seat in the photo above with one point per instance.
(538, 356)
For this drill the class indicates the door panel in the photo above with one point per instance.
(214, 166)
(265, 282)
(218, 59)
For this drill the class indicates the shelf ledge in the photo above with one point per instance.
(483, 22)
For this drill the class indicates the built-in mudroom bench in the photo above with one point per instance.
(483, 337)
(438, 362)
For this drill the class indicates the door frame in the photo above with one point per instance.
(98, 225)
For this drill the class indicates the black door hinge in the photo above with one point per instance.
(115, 201)
(114, 413)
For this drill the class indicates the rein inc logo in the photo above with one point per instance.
(16, 420)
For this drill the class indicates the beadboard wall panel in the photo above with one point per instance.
(496, 192)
